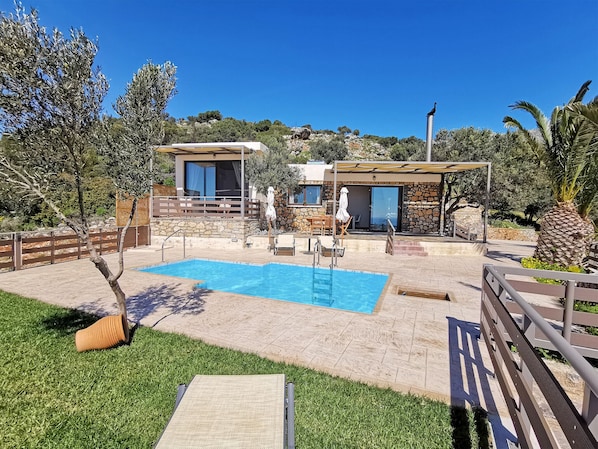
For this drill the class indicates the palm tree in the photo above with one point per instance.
(566, 147)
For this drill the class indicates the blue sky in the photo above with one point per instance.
(373, 65)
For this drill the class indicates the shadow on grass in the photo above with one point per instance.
(462, 428)
(67, 322)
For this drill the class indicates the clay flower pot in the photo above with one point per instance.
(103, 334)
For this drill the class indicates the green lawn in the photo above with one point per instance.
(53, 397)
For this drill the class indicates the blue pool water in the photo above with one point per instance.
(341, 289)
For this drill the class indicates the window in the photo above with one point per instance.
(307, 195)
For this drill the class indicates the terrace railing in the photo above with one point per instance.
(542, 412)
(199, 206)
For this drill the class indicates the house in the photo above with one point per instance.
(214, 200)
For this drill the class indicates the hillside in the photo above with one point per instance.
(211, 127)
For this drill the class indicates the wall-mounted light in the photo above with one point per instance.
(373, 177)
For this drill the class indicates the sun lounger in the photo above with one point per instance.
(284, 243)
(250, 411)
(329, 246)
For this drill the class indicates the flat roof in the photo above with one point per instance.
(406, 167)
(212, 148)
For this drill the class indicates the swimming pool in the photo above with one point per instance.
(357, 291)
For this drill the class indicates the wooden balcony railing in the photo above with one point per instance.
(194, 206)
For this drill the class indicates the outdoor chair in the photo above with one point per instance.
(245, 411)
(342, 227)
(284, 243)
(329, 246)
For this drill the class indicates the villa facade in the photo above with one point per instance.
(213, 199)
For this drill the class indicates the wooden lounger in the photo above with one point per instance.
(248, 411)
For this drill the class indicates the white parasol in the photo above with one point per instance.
(270, 211)
(342, 215)
(270, 215)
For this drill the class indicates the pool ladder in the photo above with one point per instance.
(321, 280)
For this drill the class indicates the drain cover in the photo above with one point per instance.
(423, 293)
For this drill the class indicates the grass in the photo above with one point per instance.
(53, 397)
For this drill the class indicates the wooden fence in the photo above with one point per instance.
(24, 250)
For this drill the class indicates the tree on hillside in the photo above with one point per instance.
(226, 130)
(328, 150)
(565, 146)
(344, 130)
(406, 148)
(50, 106)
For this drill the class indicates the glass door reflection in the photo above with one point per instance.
(384, 206)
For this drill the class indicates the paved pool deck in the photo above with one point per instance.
(409, 344)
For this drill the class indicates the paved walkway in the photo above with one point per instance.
(410, 344)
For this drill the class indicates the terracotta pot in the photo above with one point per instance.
(103, 334)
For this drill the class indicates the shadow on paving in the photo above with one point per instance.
(167, 300)
(466, 363)
(515, 255)
(163, 299)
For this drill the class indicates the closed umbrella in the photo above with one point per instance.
(270, 211)
(342, 215)
(270, 214)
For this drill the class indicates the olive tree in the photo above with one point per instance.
(272, 168)
(51, 98)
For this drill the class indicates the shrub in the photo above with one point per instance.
(537, 264)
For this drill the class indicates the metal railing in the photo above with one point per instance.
(464, 232)
(184, 243)
(525, 380)
(390, 237)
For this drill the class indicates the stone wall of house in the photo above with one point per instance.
(208, 227)
(421, 208)
(420, 213)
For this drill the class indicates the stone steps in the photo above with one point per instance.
(408, 248)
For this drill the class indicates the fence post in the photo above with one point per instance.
(52, 247)
(17, 251)
(568, 312)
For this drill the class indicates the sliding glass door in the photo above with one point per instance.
(200, 179)
(384, 206)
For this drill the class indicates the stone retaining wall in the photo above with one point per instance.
(234, 229)
(525, 235)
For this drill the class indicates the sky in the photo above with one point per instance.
(377, 66)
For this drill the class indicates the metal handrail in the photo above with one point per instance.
(390, 237)
(184, 243)
(577, 361)
(317, 249)
(519, 380)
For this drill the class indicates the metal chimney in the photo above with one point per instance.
(429, 134)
